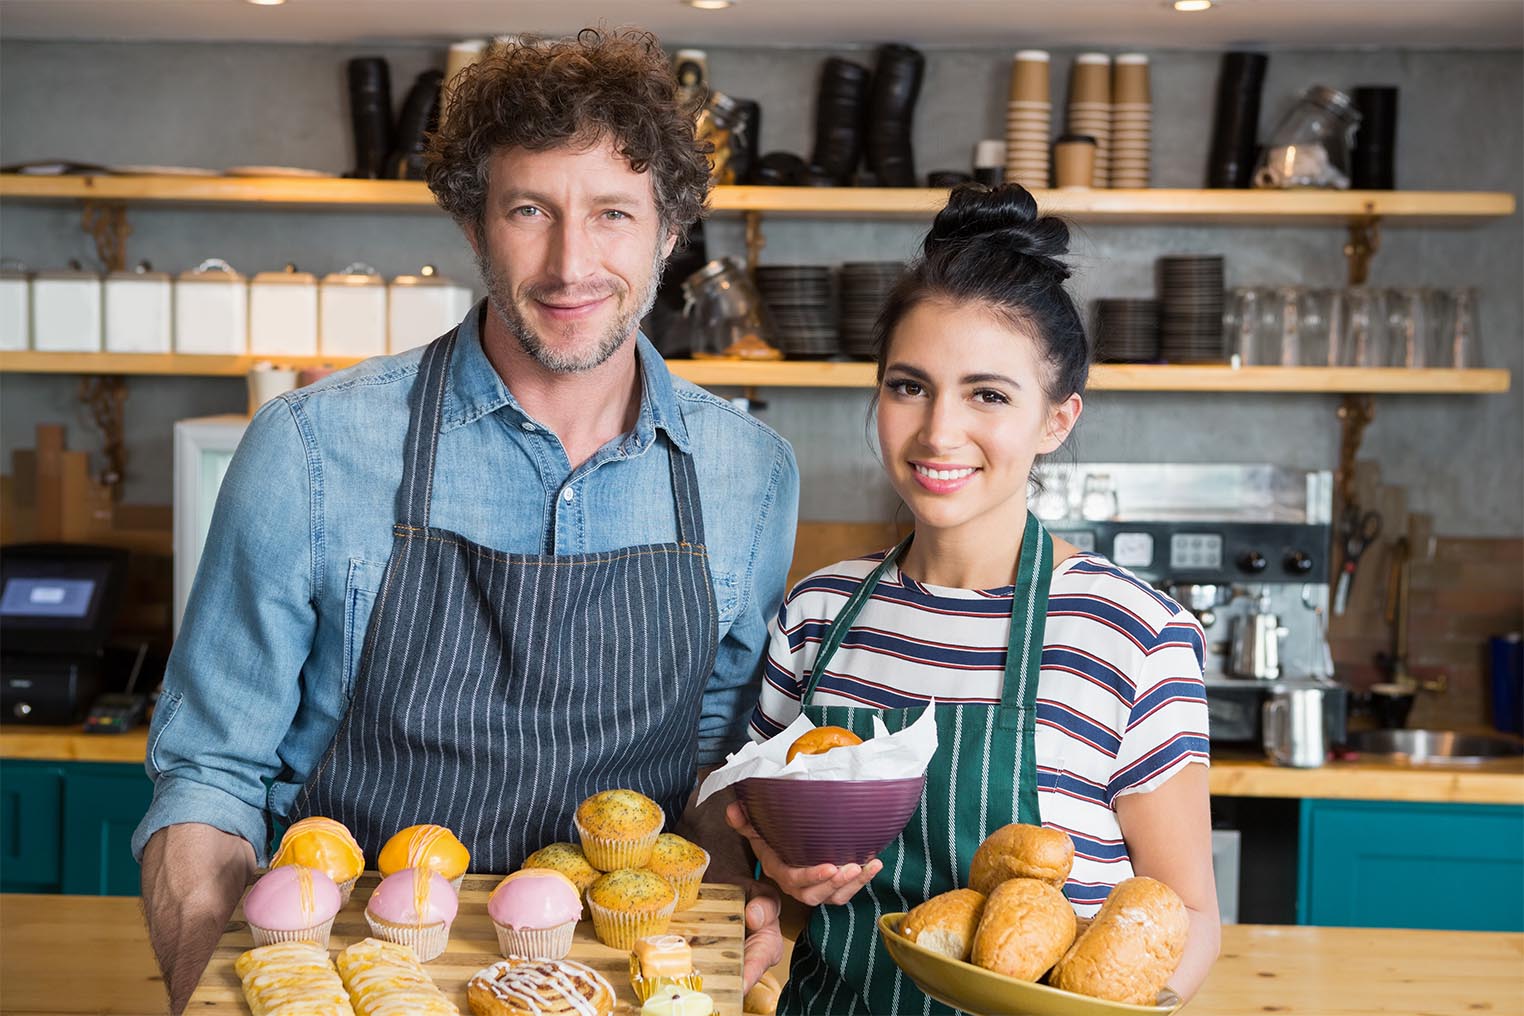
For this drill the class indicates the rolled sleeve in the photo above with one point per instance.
(233, 682)
(731, 694)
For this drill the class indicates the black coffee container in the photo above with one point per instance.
(1375, 154)
(1234, 125)
(839, 112)
(370, 111)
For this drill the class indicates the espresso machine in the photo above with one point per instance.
(1246, 548)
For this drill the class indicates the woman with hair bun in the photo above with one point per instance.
(1068, 691)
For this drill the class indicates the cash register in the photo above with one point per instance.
(58, 603)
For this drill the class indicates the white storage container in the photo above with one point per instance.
(423, 307)
(352, 312)
(139, 315)
(212, 310)
(15, 306)
(283, 313)
(66, 311)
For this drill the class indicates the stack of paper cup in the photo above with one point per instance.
(1090, 109)
(1131, 121)
(1028, 120)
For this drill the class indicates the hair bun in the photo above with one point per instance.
(1006, 216)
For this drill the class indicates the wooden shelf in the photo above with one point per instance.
(1118, 206)
(820, 374)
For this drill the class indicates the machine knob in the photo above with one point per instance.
(22, 709)
(1252, 561)
(1298, 563)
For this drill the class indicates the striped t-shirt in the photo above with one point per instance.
(1120, 703)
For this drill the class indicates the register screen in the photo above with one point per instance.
(27, 596)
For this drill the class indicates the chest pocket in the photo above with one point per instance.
(360, 590)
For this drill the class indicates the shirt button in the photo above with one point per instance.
(568, 494)
(527, 425)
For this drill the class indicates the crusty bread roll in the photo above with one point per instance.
(946, 924)
(1131, 948)
(762, 999)
(1027, 926)
(821, 740)
(1021, 851)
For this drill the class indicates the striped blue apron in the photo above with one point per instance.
(495, 691)
(983, 776)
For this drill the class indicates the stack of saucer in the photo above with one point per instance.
(864, 287)
(1131, 121)
(1090, 109)
(1028, 121)
(1127, 331)
(798, 299)
(1190, 308)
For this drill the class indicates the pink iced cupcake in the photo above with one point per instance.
(535, 912)
(292, 904)
(413, 907)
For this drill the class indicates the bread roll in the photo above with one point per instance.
(762, 999)
(821, 740)
(1027, 926)
(946, 924)
(1021, 851)
(1131, 948)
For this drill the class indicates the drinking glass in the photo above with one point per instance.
(1098, 498)
(1240, 325)
(1322, 334)
(1411, 325)
(1458, 337)
(1365, 331)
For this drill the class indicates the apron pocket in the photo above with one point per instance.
(359, 597)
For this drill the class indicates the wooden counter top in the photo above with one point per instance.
(1500, 782)
(89, 954)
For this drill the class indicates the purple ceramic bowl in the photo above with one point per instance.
(811, 822)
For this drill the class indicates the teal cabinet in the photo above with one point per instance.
(1384, 864)
(67, 826)
(31, 827)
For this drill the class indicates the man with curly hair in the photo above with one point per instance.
(476, 583)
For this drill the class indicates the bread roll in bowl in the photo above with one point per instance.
(821, 740)
(1021, 851)
(1027, 926)
(1132, 946)
(946, 924)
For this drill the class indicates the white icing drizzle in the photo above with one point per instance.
(530, 985)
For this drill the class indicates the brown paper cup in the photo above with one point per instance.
(1129, 79)
(1090, 78)
(1029, 77)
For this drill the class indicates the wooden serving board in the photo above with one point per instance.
(713, 927)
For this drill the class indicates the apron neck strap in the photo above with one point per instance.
(427, 399)
(854, 606)
(685, 494)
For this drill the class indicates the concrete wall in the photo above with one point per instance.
(223, 105)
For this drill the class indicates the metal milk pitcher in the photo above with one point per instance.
(1256, 643)
(1293, 728)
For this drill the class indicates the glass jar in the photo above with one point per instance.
(725, 315)
(1311, 146)
(717, 122)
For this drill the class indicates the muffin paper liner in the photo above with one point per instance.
(610, 854)
(535, 943)
(317, 933)
(428, 942)
(645, 987)
(345, 889)
(620, 930)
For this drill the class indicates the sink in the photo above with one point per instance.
(1435, 747)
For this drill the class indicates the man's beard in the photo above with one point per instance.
(567, 361)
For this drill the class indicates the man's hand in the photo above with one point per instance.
(764, 937)
(823, 883)
(193, 876)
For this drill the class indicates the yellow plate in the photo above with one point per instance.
(986, 993)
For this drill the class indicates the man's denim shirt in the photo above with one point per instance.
(266, 660)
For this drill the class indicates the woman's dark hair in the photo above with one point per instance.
(992, 248)
(614, 86)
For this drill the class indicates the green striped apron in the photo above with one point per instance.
(973, 786)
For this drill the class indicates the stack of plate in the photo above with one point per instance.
(1190, 308)
(1127, 331)
(1028, 120)
(864, 287)
(798, 299)
(1131, 121)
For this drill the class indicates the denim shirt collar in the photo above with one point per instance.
(476, 390)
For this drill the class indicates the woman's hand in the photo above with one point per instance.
(823, 883)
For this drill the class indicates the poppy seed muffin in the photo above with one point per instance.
(630, 904)
(569, 860)
(618, 828)
(682, 863)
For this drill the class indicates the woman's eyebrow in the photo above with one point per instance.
(975, 379)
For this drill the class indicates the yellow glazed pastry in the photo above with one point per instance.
(291, 977)
(678, 1002)
(662, 961)
(323, 845)
(385, 978)
(569, 860)
(618, 828)
(682, 863)
(630, 904)
(425, 846)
